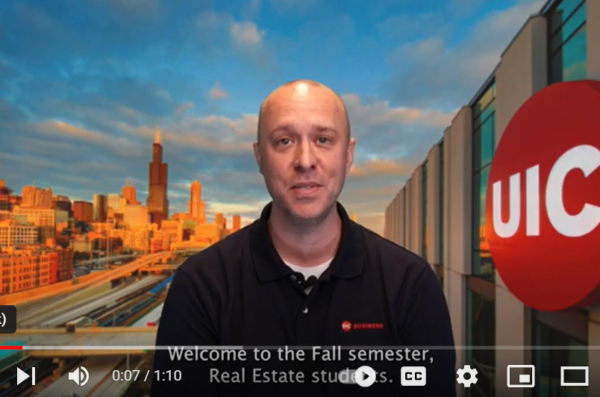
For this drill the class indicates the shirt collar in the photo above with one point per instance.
(347, 263)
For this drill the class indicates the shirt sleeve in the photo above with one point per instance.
(427, 324)
(184, 322)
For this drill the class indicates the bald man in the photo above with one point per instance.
(304, 275)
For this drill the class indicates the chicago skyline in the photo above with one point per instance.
(79, 117)
(102, 205)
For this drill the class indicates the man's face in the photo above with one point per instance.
(303, 151)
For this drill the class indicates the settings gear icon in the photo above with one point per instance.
(472, 376)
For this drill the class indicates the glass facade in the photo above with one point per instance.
(481, 331)
(548, 362)
(424, 200)
(441, 210)
(441, 231)
(405, 220)
(484, 144)
(567, 41)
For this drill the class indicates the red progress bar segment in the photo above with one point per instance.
(11, 347)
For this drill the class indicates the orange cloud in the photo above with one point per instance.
(380, 113)
(246, 33)
(216, 92)
(374, 168)
(54, 127)
(181, 109)
(120, 145)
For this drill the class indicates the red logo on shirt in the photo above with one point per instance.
(347, 326)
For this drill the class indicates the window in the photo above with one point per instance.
(424, 201)
(548, 362)
(484, 143)
(441, 231)
(405, 225)
(481, 333)
(567, 41)
(441, 210)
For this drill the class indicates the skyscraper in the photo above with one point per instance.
(35, 197)
(237, 222)
(83, 211)
(220, 220)
(157, 202)
(129, 193)
(195, 204)
(99, 208)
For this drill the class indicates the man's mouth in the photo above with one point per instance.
(305, 186)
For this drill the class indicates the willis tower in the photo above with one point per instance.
(157, 202)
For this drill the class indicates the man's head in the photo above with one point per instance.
(304, 149)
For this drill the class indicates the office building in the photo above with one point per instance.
(35, 197)
(439, 214)
(13, 234)
(135, 214)
(116, 202)
(195, 203)
(83, 211)
(41, 217)
(220, 220)
(237, 223)
(129, 193)
(34, 267)
(100, 208)
(62, 203)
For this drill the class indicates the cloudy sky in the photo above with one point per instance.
(83, 83)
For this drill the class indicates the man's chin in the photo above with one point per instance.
(309, 214)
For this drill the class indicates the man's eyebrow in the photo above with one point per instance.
(324, 128)
(290, 128)
(282, 128)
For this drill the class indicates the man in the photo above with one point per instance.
(304, 275)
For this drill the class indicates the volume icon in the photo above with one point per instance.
(80, 376)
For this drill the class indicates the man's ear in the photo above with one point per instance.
(257, 156)
(350, 154)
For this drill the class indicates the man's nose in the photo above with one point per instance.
(305, 156)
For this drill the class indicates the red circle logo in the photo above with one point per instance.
(543, 199)
(346, 326)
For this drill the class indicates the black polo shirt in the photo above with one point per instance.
(375, 301)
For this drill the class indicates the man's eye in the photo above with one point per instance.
(323, 140)
(283, 141)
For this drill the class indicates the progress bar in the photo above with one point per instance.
(105, 347)
(11, 347)
(430, 348)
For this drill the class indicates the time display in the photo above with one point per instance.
(135, 374)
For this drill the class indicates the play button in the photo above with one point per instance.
(365, 376)
(22, 376)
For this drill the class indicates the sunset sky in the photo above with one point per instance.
(83, 83)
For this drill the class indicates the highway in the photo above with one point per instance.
(99, 303)
(104, 259)
(41, 312)
(32, 313)
(31, 308)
